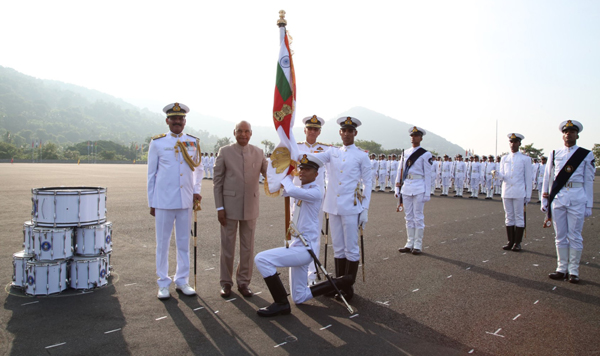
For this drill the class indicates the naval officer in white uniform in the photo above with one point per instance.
(312, 130)
(349, 171)
(415, 187)
(175, 175)
(515, 172)
(573, 199)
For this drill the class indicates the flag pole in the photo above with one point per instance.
(281, 23)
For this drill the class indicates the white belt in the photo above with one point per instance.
(414, 176)
(574, 185)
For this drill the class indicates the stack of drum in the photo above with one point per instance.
(68, 242)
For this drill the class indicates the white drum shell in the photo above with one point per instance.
(52, 244)
(57, 207)
(90, 272)
(28, 237)
(20, 260)
(45, 278)
(93, 240)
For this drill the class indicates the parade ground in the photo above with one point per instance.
(463, 295)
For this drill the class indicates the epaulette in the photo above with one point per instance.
(159, 136)
(193, 136)
(301, 143)
(323, 144)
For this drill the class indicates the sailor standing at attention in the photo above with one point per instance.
(174, 180)
(393, 170)
(515, 172)
(459, 176)
(374, 170)
(570, 198)
(414, 185)
(312, 130)
(349, 171)
(446, 176)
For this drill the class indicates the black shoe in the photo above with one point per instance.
(405, 249)
(416, 251)
(558, 275)
(275, 309)
(510, 233)
(573, 279)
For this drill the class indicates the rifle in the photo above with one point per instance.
(400, 206)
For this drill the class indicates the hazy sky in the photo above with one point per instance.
(452, 67)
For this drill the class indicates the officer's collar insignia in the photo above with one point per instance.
(348, 121)
(304, 159)
(314, 119)
(176, 107)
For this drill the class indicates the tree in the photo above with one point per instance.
(269, 146)
(596, 151)
(222, 142)
(371, 146)
(49, 151)
(108, 155)
(532, 151)
(8, 150)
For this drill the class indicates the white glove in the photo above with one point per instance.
(426, 197)
(588, 212)
(363, 218)
(544, 205)
(527, 200)
(397, 192)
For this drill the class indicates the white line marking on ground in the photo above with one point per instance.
(471, 351)
(468, 268)
(415, 290)
(450, 276)
(257, 293)
(216, 311)
(199, 308)
(112, 331)
(515, 318)
(208, 269)
(353, 316)
(51, 346)
(536, 301)
(325, 327)
(283, 343)
(162, 317)
(536, 265)
(30, 303)
(232, 299)
(387, 258)
(495, 333)
(485, 261)
(443, 242)
(554, 288)
(130, 284)
(470, 234)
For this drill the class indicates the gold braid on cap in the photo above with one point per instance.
(192, 162)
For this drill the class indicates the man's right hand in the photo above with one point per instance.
(222, 217)
(152, 211)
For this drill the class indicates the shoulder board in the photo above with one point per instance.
(301, 143)
(193, 136)
(159, 136)
(323, 144)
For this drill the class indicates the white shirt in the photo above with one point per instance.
(584, 173)
(317, 147)
(347, 168)
(171, 182)
(422, 167)
(515, 172)
(309, 196)
(459, 169)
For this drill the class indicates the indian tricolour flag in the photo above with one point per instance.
(283, 159)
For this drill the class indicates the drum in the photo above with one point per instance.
(90, 272)
(20, 260)
(28, 237)
(93, 240)
(45, 278)
(52, 244)
(70, 206)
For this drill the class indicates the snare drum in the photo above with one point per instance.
(20, 260)
(52, 244)
(28, 237)
(89, 272)
(93, 240)
(70, 206)
(44, 278)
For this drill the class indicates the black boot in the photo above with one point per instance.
(518, 238)
(281, 305)
(349, 279)
(340, 266)
(510, 233)
(325, 288)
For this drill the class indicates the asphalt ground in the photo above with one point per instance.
(463, 295)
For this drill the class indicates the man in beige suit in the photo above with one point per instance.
(237, 169)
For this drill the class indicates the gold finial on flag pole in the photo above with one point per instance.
(281, 22)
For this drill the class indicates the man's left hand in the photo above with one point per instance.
(363, 218)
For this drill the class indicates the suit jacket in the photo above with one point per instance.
(237, 169)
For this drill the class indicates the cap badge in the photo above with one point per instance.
(569, 123)
(415, 129)
(176, 107)
(513, 136)
(314, 119)
(304, 159)
(348, 121)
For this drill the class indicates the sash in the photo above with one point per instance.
(412, 159)
(565, 174)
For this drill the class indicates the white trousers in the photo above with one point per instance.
(164, 219)
(513, 211)
(568, 223)
(413, 210)
(474, 186)
(392, 180)
(297, 258)
(458, 185)
(344, 236)
(211, 171)
(382, 176)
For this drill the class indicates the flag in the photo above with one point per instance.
(31, 143)
(283, 158)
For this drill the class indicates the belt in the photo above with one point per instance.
(414, 176)
(574, 185)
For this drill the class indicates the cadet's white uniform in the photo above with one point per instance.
(437, 165)
(171, 186)
(540, 180)
(347, 168)
(416, 190)
(211, 166)
(459, 177)
(474, 177)
(497, 181)
(393, 170)
(296, 256)
(489, 179)
(317, 147)
(515, 172)
(534, 169)
(383, 173)
(446, 176)
(375, 171)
